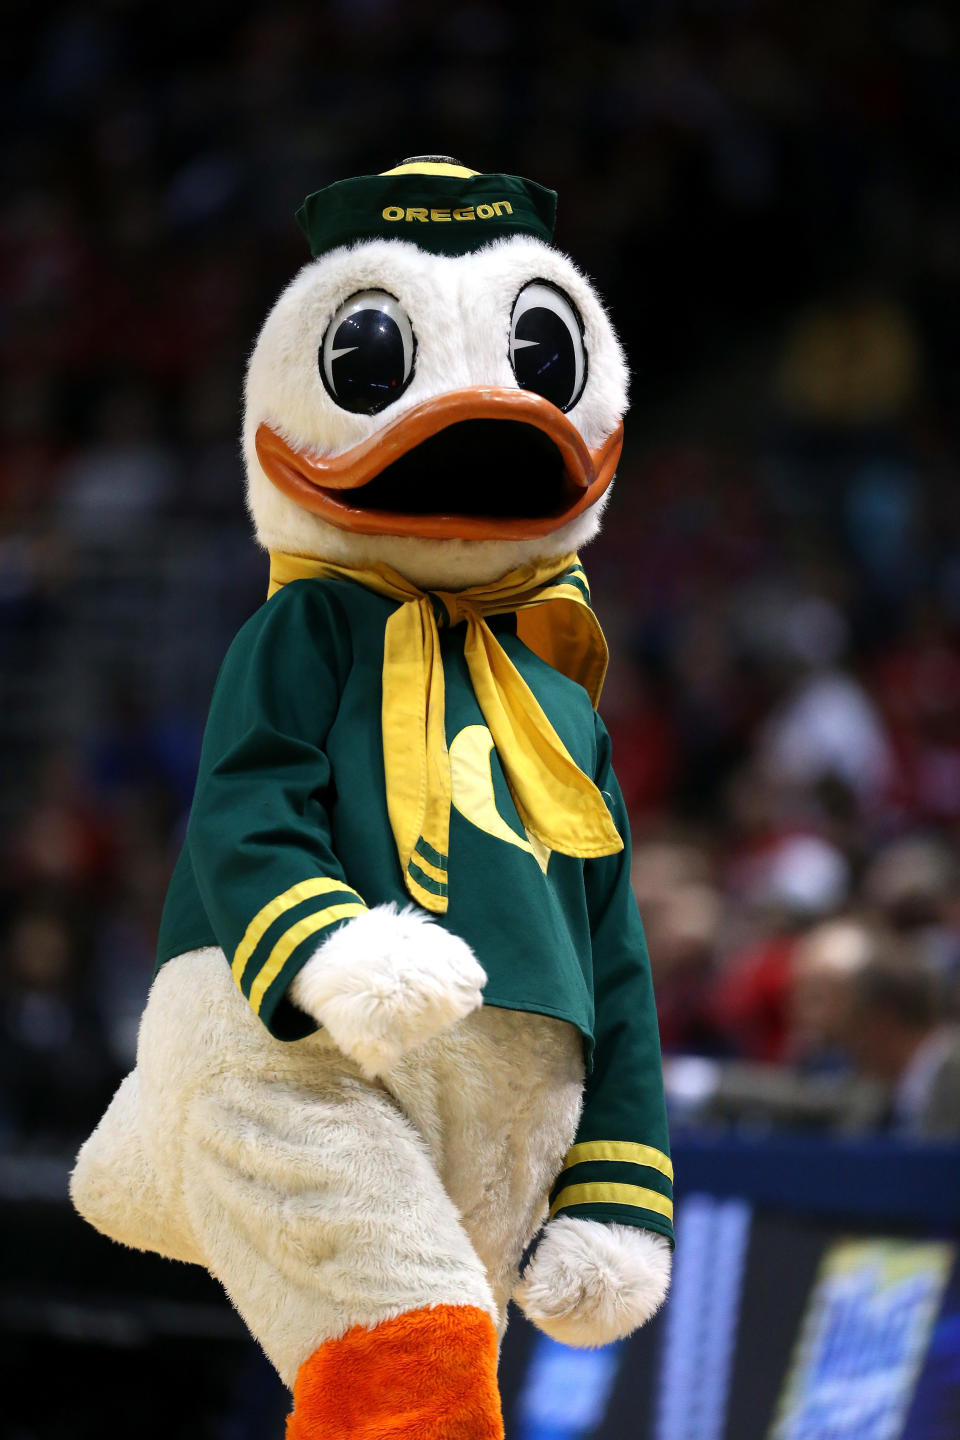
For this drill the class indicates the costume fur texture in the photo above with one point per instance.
(590, 1284)
(400, 1158)
(464, 305)
(415, 980)
(436, 1378)
(319, 1198)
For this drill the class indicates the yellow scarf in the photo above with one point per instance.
(558, 804)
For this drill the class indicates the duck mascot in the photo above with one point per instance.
(402, 1025)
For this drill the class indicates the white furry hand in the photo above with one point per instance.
(386, 982)
(589, 1283)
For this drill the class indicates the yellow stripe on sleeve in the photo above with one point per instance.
(622, 1150)
(288, 942)
(602, 1194)
(261, 922)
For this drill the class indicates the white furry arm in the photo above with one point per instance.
(591, 1283)
(386, 982)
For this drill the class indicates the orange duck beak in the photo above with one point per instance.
(487, 463)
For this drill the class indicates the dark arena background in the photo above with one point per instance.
(766, 193)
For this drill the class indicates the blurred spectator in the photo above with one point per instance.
(682, 912)
(798, 879)
(63, 840)
(914, 885)
(53, 1062)
(826, 725)
(897, 1035)
(119, 483)
(822, 1001)
(917, 681)
(124, 933)
(144, 753)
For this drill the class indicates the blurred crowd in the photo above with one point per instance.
(766, 194)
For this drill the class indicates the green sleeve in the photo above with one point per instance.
(259, 833)
(619, 1168)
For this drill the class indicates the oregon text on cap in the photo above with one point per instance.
(437, 204)
(464, 212)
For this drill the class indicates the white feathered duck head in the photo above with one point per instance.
(439, 390)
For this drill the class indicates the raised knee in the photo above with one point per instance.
(116, 1188)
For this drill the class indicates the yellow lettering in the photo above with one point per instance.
(465, 212)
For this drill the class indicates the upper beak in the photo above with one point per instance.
(323, 484)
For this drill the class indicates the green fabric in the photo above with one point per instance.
(291, 787)
(624, 1090)
(622, 1215)
(614, 1172)
(452, 211)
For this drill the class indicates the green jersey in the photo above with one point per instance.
(289, 838)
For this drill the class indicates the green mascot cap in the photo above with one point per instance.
(433, 201)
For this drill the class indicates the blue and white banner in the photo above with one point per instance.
(863, 1341)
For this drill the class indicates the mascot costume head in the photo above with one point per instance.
(402, 1022)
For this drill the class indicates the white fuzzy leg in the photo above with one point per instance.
(387, 982)
(589, 1283)
(318, 1208)
(115, 1187)
(311, 1197)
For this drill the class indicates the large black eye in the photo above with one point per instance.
(367, 355)
(546, 344)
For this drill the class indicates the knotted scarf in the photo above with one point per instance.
(558, 804)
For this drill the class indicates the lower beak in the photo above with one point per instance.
(334, 487)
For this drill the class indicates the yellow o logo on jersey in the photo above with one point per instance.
(473, 794)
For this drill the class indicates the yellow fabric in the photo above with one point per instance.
(431, 167)
(474, 796)
(605, 1194)
(261, 922)
(293, 937)
(622, 1150)
(558, 804)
